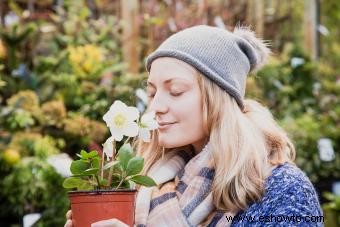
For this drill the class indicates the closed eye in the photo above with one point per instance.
(151, 95)
(176, 94)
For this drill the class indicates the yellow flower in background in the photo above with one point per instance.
(77, 125)
(86, 59)
(88, 65)
(3, 52)
(97, 131)
(11, 156)
(75, 55)
(53, 112)
(26, 99)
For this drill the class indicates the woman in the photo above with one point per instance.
(218, 159)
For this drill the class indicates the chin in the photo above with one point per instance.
(167, 144)
(169, 141)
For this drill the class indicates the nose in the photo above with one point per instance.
(158, 104)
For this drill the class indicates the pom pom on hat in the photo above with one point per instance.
(261, 47)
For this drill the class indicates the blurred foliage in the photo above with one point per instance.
(58, 76)
(62, 67)
(330, 44)
(303, 95)
(332, 210)
(43, 189)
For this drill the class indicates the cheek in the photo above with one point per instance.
(192, 125)
(190, 111)
(190, 116)
(182, 133)
(189, 129)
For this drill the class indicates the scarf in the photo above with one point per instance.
(183, 194)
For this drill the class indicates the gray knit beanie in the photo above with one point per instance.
(224, 57)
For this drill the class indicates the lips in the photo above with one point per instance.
(165, 125)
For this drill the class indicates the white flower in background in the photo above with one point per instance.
(61, 163)
(108, 147)
(142, 95)
(121, 120)
(47, 28)
(11, 18)
(147, 123)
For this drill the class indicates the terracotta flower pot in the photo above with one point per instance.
(92, 206)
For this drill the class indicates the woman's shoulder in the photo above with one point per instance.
(290, 186)
(288, 191)
(286, 177)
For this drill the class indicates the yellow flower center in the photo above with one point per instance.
(119, 120)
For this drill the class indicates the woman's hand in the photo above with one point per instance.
(109, 223)
(68, 219)
(104, 223)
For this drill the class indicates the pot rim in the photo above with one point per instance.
(100, 191)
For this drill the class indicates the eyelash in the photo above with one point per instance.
(172, 94)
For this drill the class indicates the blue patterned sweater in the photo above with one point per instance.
(290, 200)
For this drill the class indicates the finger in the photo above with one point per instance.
(68, 223)
(69, 214)
(106, 223)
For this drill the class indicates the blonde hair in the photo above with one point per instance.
(245, 145)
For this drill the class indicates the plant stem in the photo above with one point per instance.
(97, 181)
(110, 175)
(126, 141)
(121, 182)
(114, 150)
(102, 166)
(113, 158)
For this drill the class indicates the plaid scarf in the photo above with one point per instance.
(183, 196)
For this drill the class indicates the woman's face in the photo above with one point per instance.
(175, 96)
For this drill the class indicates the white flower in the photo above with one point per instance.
(108, 148)
(121, 120)
(140, 93)
(147, 123)
(11, 18)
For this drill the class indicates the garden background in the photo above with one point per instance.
(63, 63)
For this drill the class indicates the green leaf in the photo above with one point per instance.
(85, 185)
(125, 153)
(91, 171)
(82, 175)
(143, 180)
(125, 184)
(104, 182)
(92, 154)
(72, 182)
(84, 154)
(116, 180)
(79, 166)
(329, 196)
(96, 162)
(110, 164)
(135, 165)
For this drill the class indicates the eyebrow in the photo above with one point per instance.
(165, 82)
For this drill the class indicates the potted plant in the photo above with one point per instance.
(105, 182)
